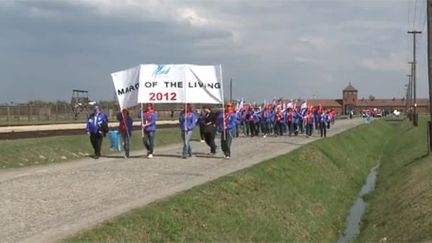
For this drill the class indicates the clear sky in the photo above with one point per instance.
(284, 48)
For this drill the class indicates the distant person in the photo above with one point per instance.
(324, 119)
(226, 126)
(187, 122)
(210, 129)
(278, 129)
(201, 124)
(148, 120)
(289, 120)
(97, 127)
(309, 123)
(125, 129)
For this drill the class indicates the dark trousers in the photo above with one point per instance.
(209, 137)
(301, 127)
(201, 129)
(278, 130)
(226, 139)
(323, 129)
(148, 141)
(96, 142)
(295, 128)
(254, 129)
(126, 138)
(246, 128)
(309, 129)
(290, 128)
(237, 130)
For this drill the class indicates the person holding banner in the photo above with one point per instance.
(148, 121)
(96, 128)
(187, 121)
(226, 126)
(125, 129)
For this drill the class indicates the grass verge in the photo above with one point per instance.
(302, 196)
(401, 207)
(34, 151)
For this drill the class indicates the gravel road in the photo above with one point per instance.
(49, 203)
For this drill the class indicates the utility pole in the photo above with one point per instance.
(413, 76)
(429, 53)
(408, 96)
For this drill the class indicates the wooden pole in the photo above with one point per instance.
(429, 53)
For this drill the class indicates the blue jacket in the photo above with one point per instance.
(296, 117)
(95, 121)
(324, 118)
(284, 114)
(189, 123)
(149, 119)
(239, 117)
(230, 121)
(201, 118)
(257, 117)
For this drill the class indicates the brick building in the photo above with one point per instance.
(350, 101)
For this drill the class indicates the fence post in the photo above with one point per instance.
(8, 114)
(29, 112)
(56, 112)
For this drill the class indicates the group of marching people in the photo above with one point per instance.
(274, 119)
(270, 119)
(222, 122)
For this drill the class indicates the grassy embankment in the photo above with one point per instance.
(34, 151)
(401, 207)
(302, 196)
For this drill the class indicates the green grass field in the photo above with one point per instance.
(302, 196)
(34, 151)
(401, 207)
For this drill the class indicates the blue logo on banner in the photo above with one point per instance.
(161, 70)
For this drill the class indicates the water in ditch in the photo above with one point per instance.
(358, 208)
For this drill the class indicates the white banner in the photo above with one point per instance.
(171, 83)
(126, 85)
(180, 83)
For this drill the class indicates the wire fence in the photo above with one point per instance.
(32, 114)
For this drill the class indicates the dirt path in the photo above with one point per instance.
(48, 203)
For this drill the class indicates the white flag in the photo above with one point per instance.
(126, 85)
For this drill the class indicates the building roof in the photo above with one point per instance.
(350, 88)
(326, 103)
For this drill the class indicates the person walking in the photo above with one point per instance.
(278, 129)
(125, 129)
(289, 120)
(148, 120)
(324, 119)
(201, 118)
(210, 129)
(187, 121)
(309, 123)
(226, 126)
(97, 127)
